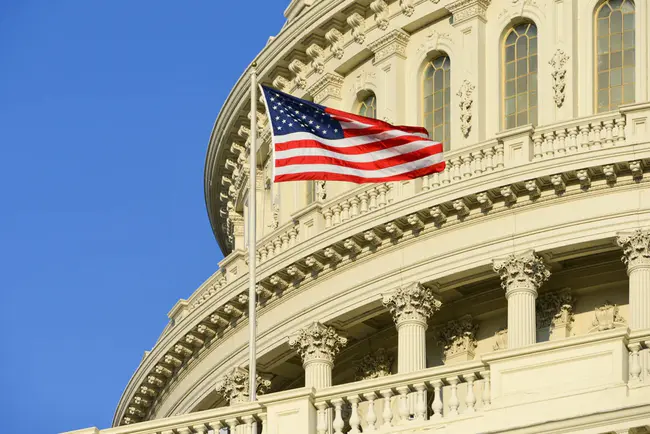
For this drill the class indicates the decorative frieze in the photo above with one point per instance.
(636, 248)
(458, 339)
(394, 43)
(554, 311)
(374, 365)
(465, 103)
(318, 342)
(328, 86)
(411, 303)
(607, 317)
(380, 9)
(558, 65)
(463, 10)
(521, 272)
(235, 387)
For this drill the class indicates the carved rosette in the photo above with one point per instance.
(235, 387)
(458, 339)
(411, 303)
(525, 272)
(558, 63)
(554, 309)
(636, 248)
(318, 342)
(465, 103)
(374, 365)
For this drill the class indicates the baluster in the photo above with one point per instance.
(262, 417)
(456, 162)
(436, 405)
(345, 214)
(263, 255)
(293, 237)
(478, 162)
(403, 403)
(328, 218)
(285, 242)
(453, 400)
(338, 418)
(537, 147)
(446, 175)
(364, 202)
(232, 425)
(500, 163)
(635, 365)
(486, 397)
(585, 143)
(435, 180)
(248, 420)
(597, 130)
(269, 250)
(336, 218)
(201, 429)
(215, 426)
(373, 199)
(354, 207)
(387, 414)
(321, 418)
(371, 416)
(548, 144)
(277, 244)
(573, 140)
(381, 200)
(354, 415)
(609, 137)
(467, 166)
(425, 183)
(420, 403)
(470, 398)
(561, 142)
(489, 159)
(620, 131)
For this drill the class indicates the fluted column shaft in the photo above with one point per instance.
(411, 347)
(411, 307)
(521, 277)
(636, 255)
(318, 373)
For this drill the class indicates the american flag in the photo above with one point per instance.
(314, 142)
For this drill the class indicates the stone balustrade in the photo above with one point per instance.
(277, 242)
(355, 203)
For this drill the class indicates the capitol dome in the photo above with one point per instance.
(509, 293)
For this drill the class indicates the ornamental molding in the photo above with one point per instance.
(380, 9)
(407, 7)
(432, 42)
(464, 10)
(321, 190)
(298, 68)
(394, 43)
(458, 339)
(358, 26)
(329, 85)
(523, 272)
(636, 248)
(317, 55)
(413, 302)
(335, 40)
(318, 342)
(607, 317)
(235, 387)
(558, 65)
(374, 365)
(554, 309)
(501, 340)
(363, 80)
(465, 103)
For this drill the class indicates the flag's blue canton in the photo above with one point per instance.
(294, 115)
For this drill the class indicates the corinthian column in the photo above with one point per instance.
(234, 386)
(411, 307)
(318, 345)
(521, 277)
(636, 255)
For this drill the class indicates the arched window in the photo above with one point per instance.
(520, 76)
(368, 106)
(436, 98)
(614, 54)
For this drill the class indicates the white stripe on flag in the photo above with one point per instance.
(357, 158)
(346, 142)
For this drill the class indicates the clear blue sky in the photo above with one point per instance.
(106, 108)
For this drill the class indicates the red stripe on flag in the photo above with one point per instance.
(344, 116)
(351, 150)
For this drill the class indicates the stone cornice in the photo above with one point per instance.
(328, 86)
(464, 10)
(392, 44)
(166, 347)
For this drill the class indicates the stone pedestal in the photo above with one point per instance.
(521, 277)
(636, 255)
(411, 307)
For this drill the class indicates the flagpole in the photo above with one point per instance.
(252, 192)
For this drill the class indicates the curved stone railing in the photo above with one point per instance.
(277, 242)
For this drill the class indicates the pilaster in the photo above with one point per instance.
(521, 276)
(235, 387)
(411, 306)
(469, 19)
(390, 59)
(636, 255)
(318, 345)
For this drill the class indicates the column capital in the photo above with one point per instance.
(411, 303)
(392, 44)
(326, 88)
(374, 365)
(523, 272)
(636, 248)
(318, 342)
(234, 386)
(458, 339)
(463, 10)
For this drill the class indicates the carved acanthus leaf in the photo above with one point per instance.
(465, 103)
(335, 39)
(636, 248)
(521, 272)
(412, 302)
(554, 309)
(380, 9)
(235, 387)
(458, 336)
(318, 342)
(558, 64)
(374, 365)
(357, 23)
